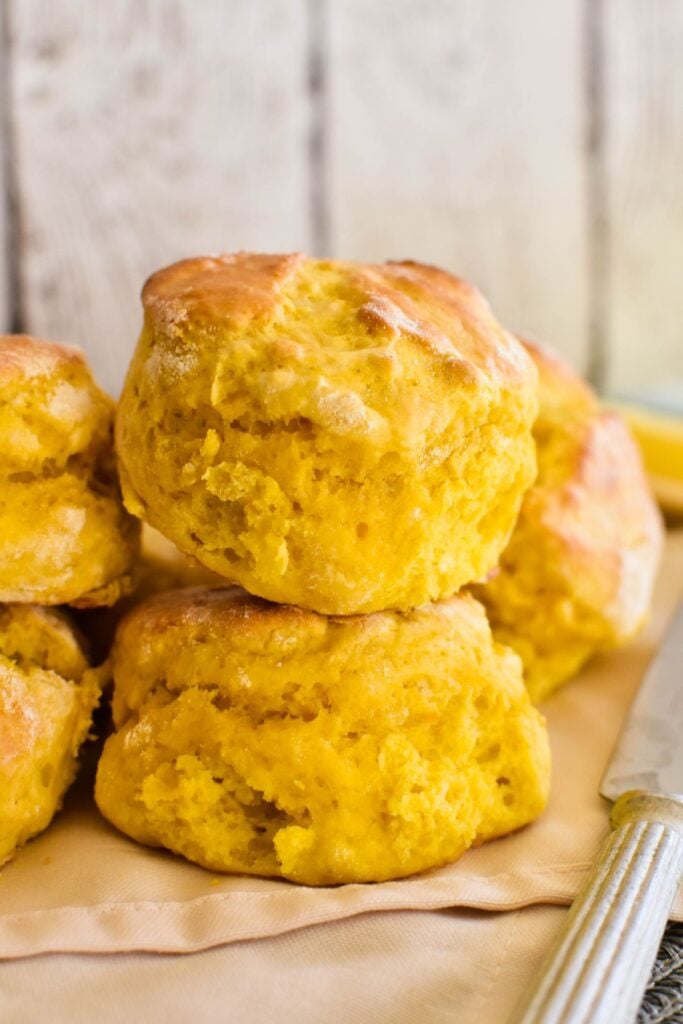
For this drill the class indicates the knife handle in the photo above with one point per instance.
(599, 966)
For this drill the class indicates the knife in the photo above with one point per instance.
(599, 966)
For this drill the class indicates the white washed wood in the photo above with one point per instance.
(457, 137)
(643, 117)
(149, 130)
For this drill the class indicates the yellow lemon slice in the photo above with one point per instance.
(660, 438)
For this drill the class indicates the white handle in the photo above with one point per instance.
(598, 969)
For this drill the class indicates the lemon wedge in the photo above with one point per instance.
(660, 438)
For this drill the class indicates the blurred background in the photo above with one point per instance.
(533, 147)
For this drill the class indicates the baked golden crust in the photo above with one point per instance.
(444, 313)
(271, 740)
(66, 537)
(318, 431)
(578, 573)
(47, 695)
(23, 357)
(238, 287)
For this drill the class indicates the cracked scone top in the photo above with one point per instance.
(270, 740)
(65, 537)
(344, 437)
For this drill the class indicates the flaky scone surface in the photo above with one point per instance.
(578, 573)
(273, 741)
(343, 437)
(64, 534)
(47, 695)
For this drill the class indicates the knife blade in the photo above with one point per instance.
(649, 752)
(598, 968)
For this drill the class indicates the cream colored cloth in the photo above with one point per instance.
(83, 887)
(406, 967)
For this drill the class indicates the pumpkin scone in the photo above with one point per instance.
(47, 696)
(65, 537)
(268, 740)
(344, 437)
(577, 575)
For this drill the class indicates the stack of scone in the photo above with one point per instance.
(352, 442)
(65, 539)
(384, 471)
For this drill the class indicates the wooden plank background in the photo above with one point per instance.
(532, 147)
(460, 140)
(643, 83)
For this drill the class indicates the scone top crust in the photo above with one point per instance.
(192, 609)
(50, 407)
(445, 315)
(22, 355)
(177, 636)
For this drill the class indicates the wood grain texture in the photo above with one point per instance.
(148, 130)
(643, 99)
(535, 148)
(458, 137)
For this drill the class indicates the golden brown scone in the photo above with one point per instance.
(320, 432)
(47, 695)
(578, 573)
(269, 740)
(66, 538)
